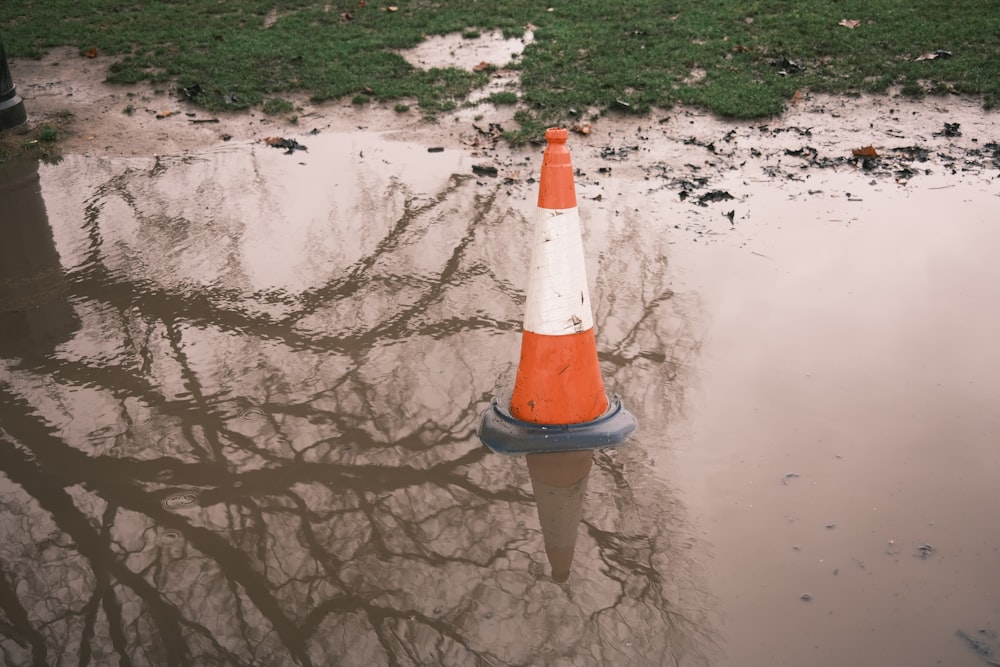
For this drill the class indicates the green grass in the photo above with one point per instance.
(504, 98)
(615, 57)
(47, 134)
(277, 105)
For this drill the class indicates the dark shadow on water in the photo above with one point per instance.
(35, 312)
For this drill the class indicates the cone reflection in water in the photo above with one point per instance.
(559, 481)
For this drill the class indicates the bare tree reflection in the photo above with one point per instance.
(212, 475)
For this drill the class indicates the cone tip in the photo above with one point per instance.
(556, 135)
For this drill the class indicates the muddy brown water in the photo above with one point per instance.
(240, 391)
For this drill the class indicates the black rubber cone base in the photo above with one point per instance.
(506, 434)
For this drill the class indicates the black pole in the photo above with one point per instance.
(12, 111)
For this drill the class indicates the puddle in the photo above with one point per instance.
(492, 48)
(814, 377)
(849, 340)
(454, 50)
(34, 297)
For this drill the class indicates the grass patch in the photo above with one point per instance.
(46, 134)
(41, 142)
(616, 57)
(503, 98)
(277, 105)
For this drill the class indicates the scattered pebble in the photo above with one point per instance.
(484, 170)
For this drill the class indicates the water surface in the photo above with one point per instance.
(239, 392)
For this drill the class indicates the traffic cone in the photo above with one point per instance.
(558, 402)
(558, 378)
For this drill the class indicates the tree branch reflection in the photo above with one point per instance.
(211, 475)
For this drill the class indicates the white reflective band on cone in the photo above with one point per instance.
(558, 301)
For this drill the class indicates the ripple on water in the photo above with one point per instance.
(179, 500)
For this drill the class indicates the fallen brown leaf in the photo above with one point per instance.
(934, 55)
(867, 151)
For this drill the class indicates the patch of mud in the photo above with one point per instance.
(490, 51)
(454, 50)
(674, 149)
(108, 120)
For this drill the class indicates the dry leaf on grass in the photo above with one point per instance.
(934, 55)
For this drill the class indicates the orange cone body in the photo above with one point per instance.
(558, 377)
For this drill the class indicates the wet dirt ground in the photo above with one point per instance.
(240, 387)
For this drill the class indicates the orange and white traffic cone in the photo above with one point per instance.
(558, 411)
(558, 402)
(558, 378)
